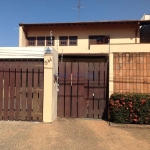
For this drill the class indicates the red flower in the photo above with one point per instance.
(123, 99)
(123, 103)
(143, 101)
(135, 116)
(135, 120)
(131, 110)
(111, 103)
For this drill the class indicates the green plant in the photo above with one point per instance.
(130, 108)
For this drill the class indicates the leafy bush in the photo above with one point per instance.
(130, 108)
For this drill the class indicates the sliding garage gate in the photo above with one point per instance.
(83, 88)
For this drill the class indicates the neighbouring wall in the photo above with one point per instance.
(131, 72)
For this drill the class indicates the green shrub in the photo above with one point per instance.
(130, 108)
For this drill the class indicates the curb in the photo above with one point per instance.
(129, 125)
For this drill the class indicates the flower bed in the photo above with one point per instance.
(130, 108)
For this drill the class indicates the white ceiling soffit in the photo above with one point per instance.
(22, 52)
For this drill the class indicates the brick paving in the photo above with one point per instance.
(71, 134)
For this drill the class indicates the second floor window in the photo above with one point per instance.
(31, 41)
(99, 39)
(72, 40)
(48, 41)
(63, 40)
(40, 41)
(144, 34)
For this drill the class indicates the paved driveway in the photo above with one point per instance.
(71, 134)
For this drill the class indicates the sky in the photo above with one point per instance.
(13, 12)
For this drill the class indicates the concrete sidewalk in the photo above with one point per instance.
(71, 134)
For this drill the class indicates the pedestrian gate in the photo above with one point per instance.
(21, 89)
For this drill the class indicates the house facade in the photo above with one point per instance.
(123, 44)
(81, 37)
(96, 59)
(88, 41)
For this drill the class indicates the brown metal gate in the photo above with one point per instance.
(82, 89)
(21, 90)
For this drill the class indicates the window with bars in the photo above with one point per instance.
(31, 41)
(40, 41)
(48, 41)
(63, 40)
(72, 40)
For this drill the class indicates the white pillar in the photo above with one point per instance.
(50, 87)
(111, 86)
